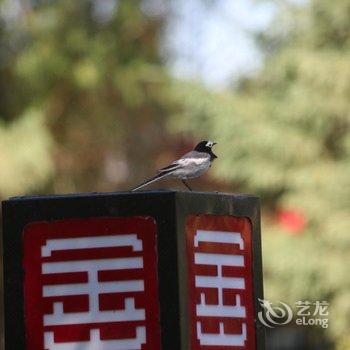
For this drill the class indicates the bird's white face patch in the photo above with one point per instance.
(210, 144)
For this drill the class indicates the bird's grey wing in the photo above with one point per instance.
(192, 158)
(169, 168)
(173, 166)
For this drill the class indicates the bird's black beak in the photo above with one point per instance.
(214, 155)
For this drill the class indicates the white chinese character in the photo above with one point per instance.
(304, 307)
(93, 288)
(220, 283)
(321, 308)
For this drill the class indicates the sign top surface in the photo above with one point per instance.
(246, 203)
(160, 192)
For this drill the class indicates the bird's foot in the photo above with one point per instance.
(186, 184)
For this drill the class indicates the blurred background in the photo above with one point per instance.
(98, 94)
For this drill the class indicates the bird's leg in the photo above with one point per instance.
(186, 184)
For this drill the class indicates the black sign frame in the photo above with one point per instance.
(168, 208)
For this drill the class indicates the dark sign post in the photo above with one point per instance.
(159, 270)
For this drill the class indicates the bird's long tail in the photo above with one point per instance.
(153, 179)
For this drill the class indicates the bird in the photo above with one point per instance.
(192, 164)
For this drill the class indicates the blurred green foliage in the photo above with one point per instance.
(24, 153)
(87, 104)
(100, 86)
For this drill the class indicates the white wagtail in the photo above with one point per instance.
(190, 165)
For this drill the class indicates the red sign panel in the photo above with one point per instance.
(221, 307)
(91, 284)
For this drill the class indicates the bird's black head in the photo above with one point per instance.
(206, 147)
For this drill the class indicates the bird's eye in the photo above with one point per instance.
(209, 144)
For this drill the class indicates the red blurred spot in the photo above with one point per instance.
(292, 220)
